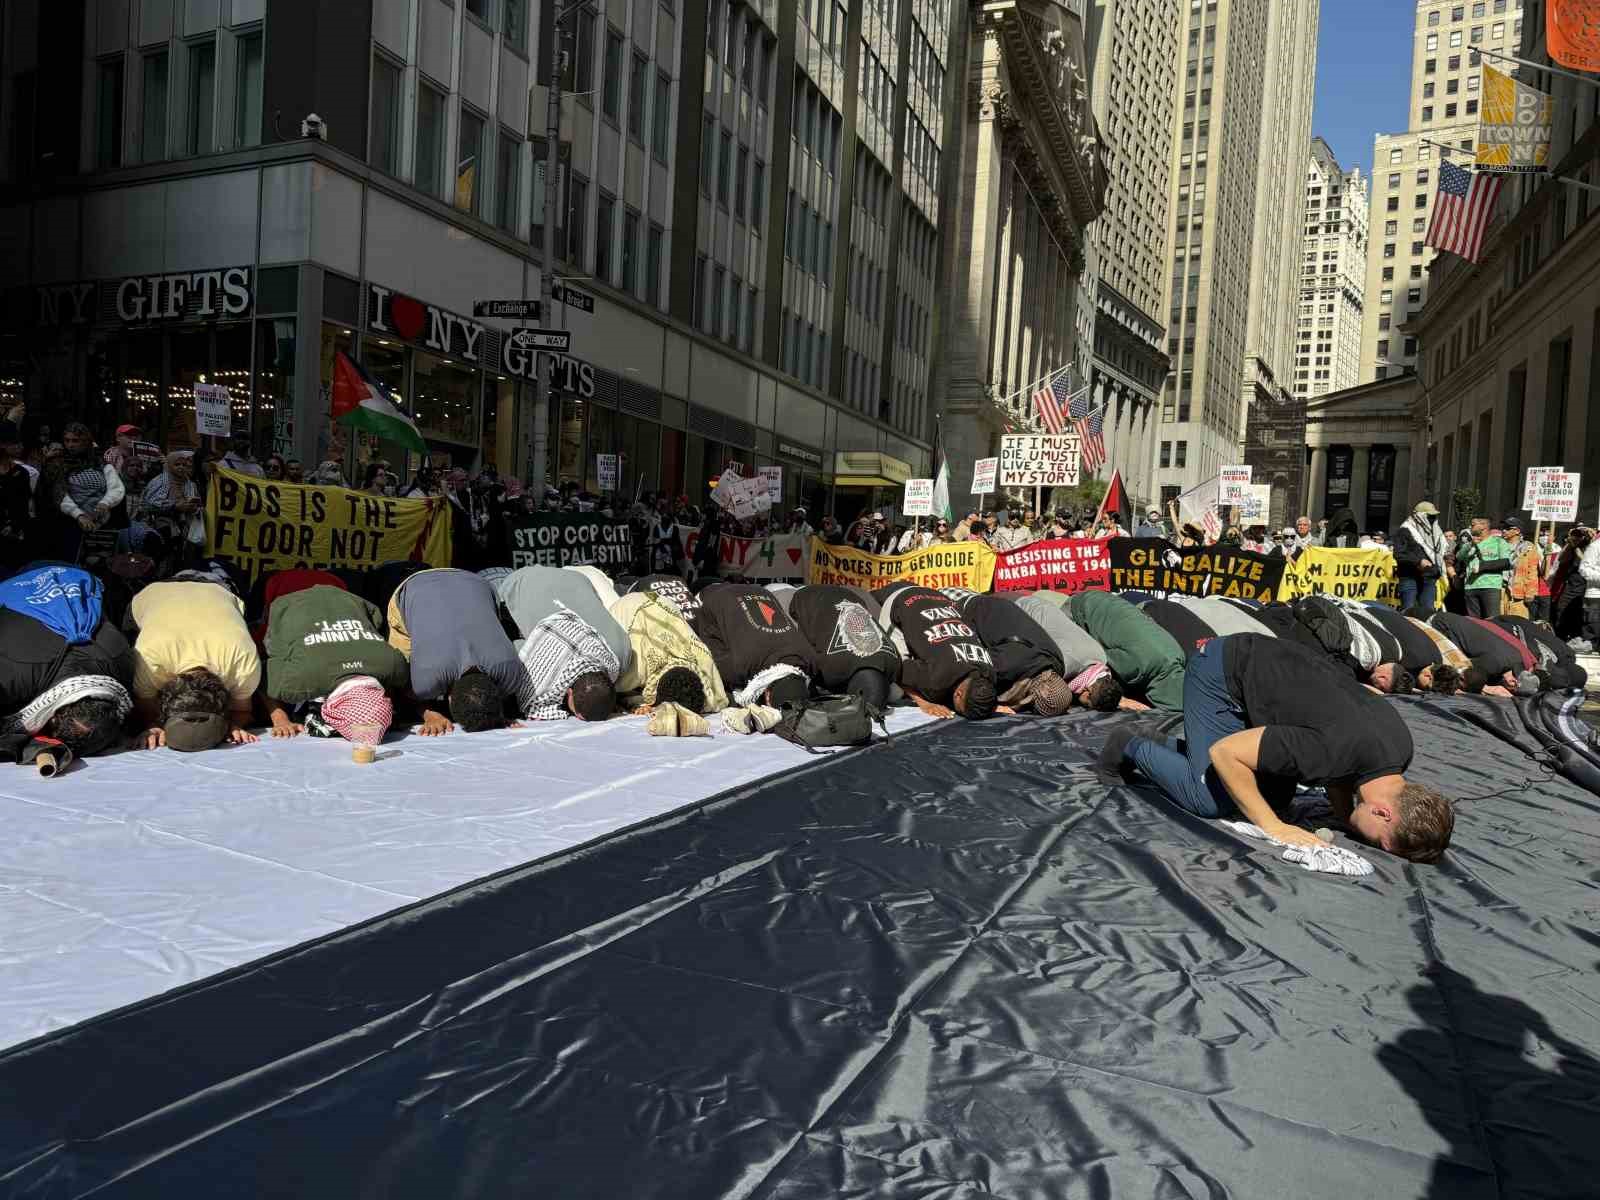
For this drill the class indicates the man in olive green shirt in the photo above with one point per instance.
(1483, 562)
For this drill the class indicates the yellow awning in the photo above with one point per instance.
(862, 481)
(869, 468)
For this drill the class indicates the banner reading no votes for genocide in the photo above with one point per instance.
(570, 540)
(959, 564)
(264, 525)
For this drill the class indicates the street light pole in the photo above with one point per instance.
(542, 376)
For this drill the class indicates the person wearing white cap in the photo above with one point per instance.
(1419, 556)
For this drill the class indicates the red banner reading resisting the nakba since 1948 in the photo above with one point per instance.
(1058, 565)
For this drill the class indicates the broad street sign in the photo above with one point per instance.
(563, 293)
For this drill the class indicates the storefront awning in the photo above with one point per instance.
(869, 468)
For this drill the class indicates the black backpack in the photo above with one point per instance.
(832, 721)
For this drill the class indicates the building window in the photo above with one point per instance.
(583, 57)
(108, 123)
(741, 183)
(577, 214)
(202, 129)
(1393, 204)
(1427, 112)
(506, 181)
(724, 168)
(605, 213)
(652, 265)
(247, 93)
(758, 195)
(611, 96)
(1383, 348)
(638, 73)
(516, 24)
(630, 252)
(469, 164)
(1397, 154)
(719, 285)
(1420, 200)
(708, 146)
(1414, 296)
(153, 119)
(661, 117)
(430, 139)
(480, 9)
(384, 148)
(1166, 455)
(1180, 454)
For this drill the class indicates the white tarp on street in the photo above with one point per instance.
(138, 873)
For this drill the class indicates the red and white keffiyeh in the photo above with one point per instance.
(360, 710)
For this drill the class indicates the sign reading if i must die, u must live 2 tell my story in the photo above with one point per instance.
(1039, 460)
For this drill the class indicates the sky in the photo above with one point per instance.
(1363, 75)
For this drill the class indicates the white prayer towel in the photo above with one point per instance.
(1330, 860)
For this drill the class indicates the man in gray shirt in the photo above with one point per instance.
(1085, 671)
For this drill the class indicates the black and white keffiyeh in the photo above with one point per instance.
(557, 651)
(36, 715)
(762, 680)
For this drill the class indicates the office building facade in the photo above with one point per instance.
(1333, 270)
(747, 227)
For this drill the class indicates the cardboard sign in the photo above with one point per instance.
(1231, 484)
(1157, 567)
(1255, 503)
(919, 498)
(774, 481)
(213, 410)
(1555, 496)
(569, 540)
(962, 564)
(742, 497)
(605, 470)
(1039, 460)
(1058, 565)
(1530, 483)
(264, 525)
(983, 473)
(1350, 574)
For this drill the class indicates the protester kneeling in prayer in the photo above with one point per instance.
(851, 653)
(1029, 670)
(668, 663)
(328, 664)
(1145, 659)
(944, 667)
(1083, 660)
(447, 624)
(1497, 654)
(1261, 716)
(534, 594)
(760, 653)
(195, 666)
(1434, 662)
(65, 672)
(1555, 663)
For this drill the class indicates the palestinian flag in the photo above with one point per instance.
(361, 402)
(1116, 503)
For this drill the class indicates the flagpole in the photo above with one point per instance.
(1477, 52)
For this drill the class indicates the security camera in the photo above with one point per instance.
(314, 126)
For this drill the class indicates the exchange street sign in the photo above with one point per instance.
(563, 293)
(542, 339)
(522, 310)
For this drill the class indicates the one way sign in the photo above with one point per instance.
(542, 339)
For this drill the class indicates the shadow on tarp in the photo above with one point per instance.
(955, 966)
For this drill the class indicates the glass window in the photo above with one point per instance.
(611, 95)
(153, 119)
(384, 148)
(652, 265)
(724, 168)
(1397, 154)
(708, 145)
(577, 214)
(661, 122)
(469, 164)
(108, 124)
(630, 252)
(506, 182)
(275, 407)
(719, 285)
(202, 130)
(638, 73)
(583, 56)
(758, 195)
(482, 9)
(247, 93)
(445, 403)
(516, 27)
(430, 139)
(605, 213)
(740, 181)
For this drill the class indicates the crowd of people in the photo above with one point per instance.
(186, 653)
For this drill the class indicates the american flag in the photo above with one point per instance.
(1091, 432)
(1462, 210)
(1050, 401)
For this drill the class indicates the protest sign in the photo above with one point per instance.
(1058, 565)
(780, 558)
(961, 564)
(605, 471)
(774, 483)
(744, 498)
(1555, 496)
(1255, 503)
(1231, 484)
(983, 473)
(264, 525)
(1351, 574)
(570, 540)
(213, 410)
(1156, 566)
(919, 498)
(1530, 482)
(1039, 460)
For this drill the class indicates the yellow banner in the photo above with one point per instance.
(1513, 126)
(958, 564)
(265, 525)
(1351, 574)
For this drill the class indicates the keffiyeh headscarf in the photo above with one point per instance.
(35, 716)
(359, 710)
(556, 652)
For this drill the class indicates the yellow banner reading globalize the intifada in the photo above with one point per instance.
(1513, 126)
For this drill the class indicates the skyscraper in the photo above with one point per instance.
(1443, 113)
(1237, 169)
(1333, 275)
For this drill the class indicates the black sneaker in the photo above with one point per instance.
(1112, 765)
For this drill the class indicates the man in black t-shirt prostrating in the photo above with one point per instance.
(1261, 715)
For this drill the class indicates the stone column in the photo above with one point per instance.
(1400, 505)
(1318, 486)
(1360, 467)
